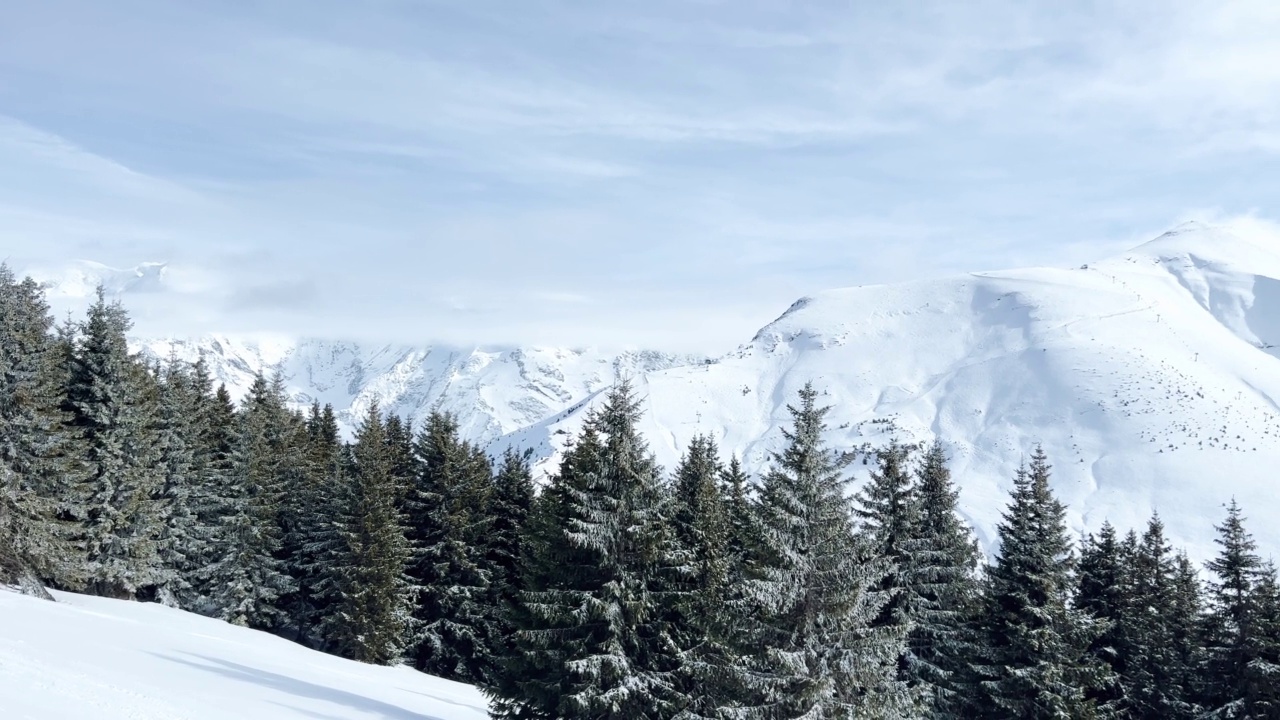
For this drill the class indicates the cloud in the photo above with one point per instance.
(281, 295)
(561, 298)
(588, 173)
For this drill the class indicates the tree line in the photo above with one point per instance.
(617, 590)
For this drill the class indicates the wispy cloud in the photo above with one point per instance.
(471, 171)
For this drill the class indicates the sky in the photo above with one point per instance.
(655, 174)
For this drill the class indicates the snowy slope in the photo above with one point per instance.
(86, 657)
(1151, 379)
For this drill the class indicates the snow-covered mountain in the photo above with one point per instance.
(491, 390)
(1151, 379)
(88, 657)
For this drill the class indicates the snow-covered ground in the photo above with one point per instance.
(87, 658)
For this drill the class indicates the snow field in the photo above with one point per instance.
(85, 658)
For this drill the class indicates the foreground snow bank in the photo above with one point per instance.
(87, 657)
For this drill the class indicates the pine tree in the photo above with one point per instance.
(182, 540)
(886, 510)
(941, 575)
(1158, 672)
(399, 434)
(249, 576)
(214, 498)
(298, 509)
(811, 648)
(1262, 676)
(112, 403)
(1036, 662)
(699, 518)
(592, 642)
(373, 594)
(447, 528)
(741, 529)
(1238, 663)
(1104, 591)
(695, 590)
(1184, 606)
(188, 389)
(717, 665)
(317, 547)
(33, 538)
(508, 513)
(532, 679)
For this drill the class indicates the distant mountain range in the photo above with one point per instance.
(1151, 379)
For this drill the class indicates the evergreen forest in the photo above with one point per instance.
(614, 588)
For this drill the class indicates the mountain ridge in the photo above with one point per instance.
(1151, 378)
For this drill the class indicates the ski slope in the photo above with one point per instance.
(87, 658)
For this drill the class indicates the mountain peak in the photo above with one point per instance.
(1151, 379)
(1244, 243)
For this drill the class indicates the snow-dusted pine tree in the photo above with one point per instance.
(316, 547)
(111, 398)
(1159, 681)
(741, 531)
(717, 665)
(1104, 590)
(532, 678)
(298, 510)
(448, 525)
(399, 433)
(812, 650)
(942, 579)
(215, 497)
(373, 604)
(698, 517)
(508, 513)
(1262, 679)
(1036, 663)
(183, 542)
(33, 540)
(592, 642)
(695, 591)
(1185, 607)
(249, 577)
(886, 510)
(1242, 667)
